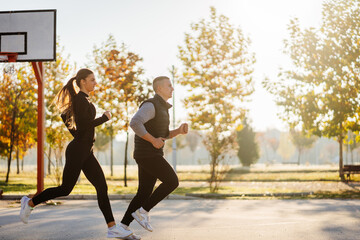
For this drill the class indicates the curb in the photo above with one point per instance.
(94, 197)
(219, 195)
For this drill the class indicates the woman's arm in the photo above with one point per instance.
(83, 118)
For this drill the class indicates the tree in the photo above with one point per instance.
(248, 151)
(102, 142)
(217, 69)
(192, 139)
(301, 141)
(56, 133)
(17, 118)
(122, 88)
(352, 143)
(320, 92)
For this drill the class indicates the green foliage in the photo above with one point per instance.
(217, 69)
(320, 93)
(248, 151)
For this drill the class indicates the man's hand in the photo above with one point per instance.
(158, 142)
(183, 129)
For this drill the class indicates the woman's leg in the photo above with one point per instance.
(146, 186)
(75, 155)
(95, 175)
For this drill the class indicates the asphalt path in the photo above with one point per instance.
(199, 219)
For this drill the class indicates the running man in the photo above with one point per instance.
(151, 126)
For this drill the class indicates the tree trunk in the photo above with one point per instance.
(11, 145)
(212, 173)
(111, 155)
(49, 161)
(299, 157)
(17, 161)
(9, 164)
(22, 164)
(125, 159)
(341, 172)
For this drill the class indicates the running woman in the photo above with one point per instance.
(151, 126)
(78, 114)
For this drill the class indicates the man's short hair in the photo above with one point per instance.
(158, 81)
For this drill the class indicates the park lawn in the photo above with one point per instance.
(263, 176)
(25, 182)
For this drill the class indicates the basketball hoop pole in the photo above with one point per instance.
(39, 73)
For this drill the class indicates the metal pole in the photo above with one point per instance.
(39, 73)
(174, 139)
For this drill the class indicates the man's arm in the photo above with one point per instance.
(183, 129)
(144, 114)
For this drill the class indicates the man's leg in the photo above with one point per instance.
(159, 168)
(146, 186)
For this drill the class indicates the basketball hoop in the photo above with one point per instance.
(30, 36)
(9, 58)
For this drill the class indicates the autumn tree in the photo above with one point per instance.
(248, 151)
(319, 93)
(301, 141)
(217, 69)
(17, 118)
(121, 90)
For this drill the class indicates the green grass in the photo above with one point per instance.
(267, 176)
(25, 183)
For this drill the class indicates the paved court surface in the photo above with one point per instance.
(194, 220)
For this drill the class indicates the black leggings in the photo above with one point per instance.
(79, 156)
(149, 170)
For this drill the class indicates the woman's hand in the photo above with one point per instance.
(108, 114)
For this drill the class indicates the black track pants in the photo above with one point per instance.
(149, 170)
(79, 156)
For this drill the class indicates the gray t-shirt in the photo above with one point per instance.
(144, 114)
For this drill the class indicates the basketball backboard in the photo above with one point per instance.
(31, 34)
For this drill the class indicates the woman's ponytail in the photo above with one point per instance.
(70, 86)
(65, 97)
(64, 101)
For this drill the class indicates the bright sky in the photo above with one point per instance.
(155, 28)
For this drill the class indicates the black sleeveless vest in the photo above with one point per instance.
(157, 127)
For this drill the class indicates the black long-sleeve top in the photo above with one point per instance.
(84, 113)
